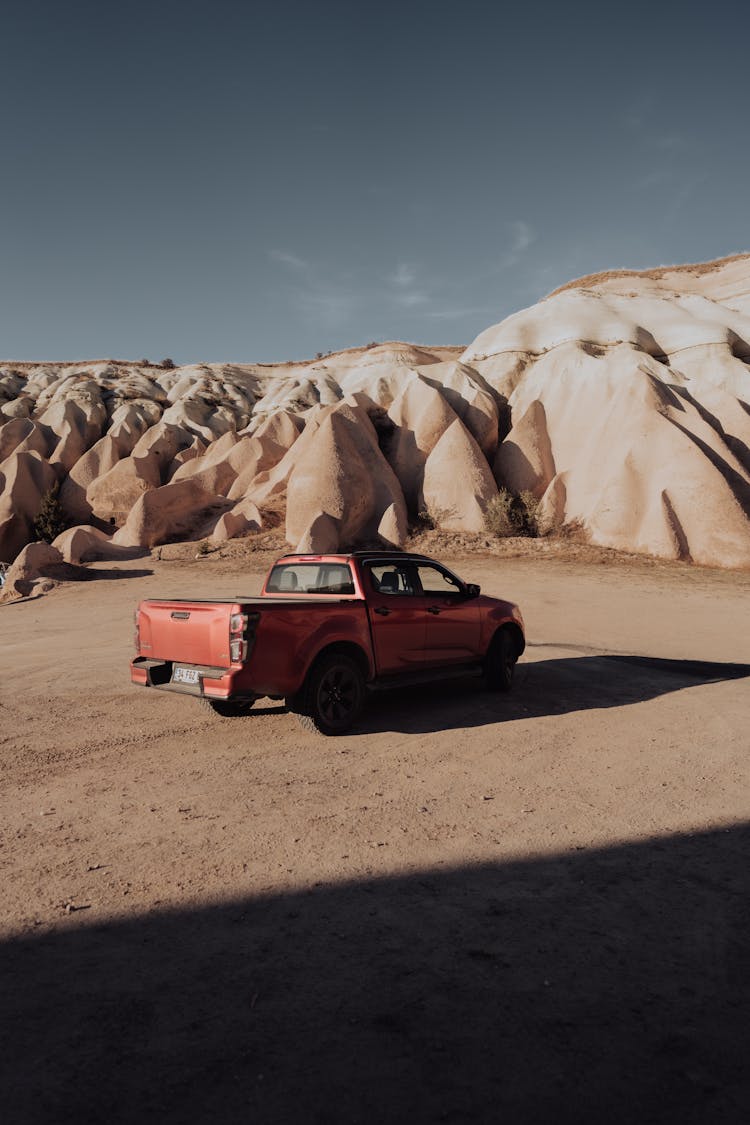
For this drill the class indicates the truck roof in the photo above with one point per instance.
(360, 553)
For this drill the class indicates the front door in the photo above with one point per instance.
(452, 621)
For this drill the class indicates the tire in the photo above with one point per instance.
(227, 708)
(500, 662)
(333, 696)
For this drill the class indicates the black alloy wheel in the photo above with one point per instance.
(500, 662)
(334, 697)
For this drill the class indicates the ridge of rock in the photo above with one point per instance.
(621, 401)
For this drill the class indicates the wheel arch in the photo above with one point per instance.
(514, 631)
(343, 648)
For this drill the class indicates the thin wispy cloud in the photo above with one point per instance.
(523, 236)
(411, 299)
(457, 313)
(292, 261)
(663, 146)
(319, 298)
(656, 178)
(331, 308)
(336, 296)
(404, 275)
(669, 142)
(406, 293)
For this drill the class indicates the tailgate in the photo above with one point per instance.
(188, 632)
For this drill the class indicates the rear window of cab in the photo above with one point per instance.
(310, 578)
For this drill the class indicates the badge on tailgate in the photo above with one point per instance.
(182, 675)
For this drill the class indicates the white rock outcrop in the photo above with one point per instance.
(621, 402)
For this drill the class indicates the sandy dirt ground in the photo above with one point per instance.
(474, 908)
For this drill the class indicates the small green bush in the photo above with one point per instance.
(51, 520)
(168, 364)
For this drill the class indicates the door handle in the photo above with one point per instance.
(433, 609)
(382, 610)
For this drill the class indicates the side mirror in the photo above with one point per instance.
(472, 590)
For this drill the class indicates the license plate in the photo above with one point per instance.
(185, 676)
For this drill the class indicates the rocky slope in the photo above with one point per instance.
(621, 401)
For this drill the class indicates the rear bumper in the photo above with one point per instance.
(213, 683)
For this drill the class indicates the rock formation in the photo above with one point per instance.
(88, 544)
(36, 568)
(24, 480)
(621, 402)
(629, 395)
(242, 519)
(342, 489)
(172, 511)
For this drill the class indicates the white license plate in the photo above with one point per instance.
(185, 676)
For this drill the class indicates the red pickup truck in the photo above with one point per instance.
(325, 629)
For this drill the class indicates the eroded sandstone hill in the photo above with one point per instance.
(621, 401)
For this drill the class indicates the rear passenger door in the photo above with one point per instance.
(397, 616)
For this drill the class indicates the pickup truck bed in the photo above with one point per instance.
(183, 632)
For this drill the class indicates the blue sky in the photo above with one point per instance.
(261, 181)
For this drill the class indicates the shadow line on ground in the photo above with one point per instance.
(610, 984)
(543, 687)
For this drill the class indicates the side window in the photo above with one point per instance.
(436, 581)
(389, 579)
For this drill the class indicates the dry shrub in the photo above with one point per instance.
(497, 515)
(529, 514)
(509, 515)
(51, 520)
(432, 518)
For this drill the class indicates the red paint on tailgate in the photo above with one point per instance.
(188, 632)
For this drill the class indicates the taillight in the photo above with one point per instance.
(137, 636)
(237, 643)
(242, 635)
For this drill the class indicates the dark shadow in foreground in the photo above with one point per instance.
(542, 687)
(602, 986)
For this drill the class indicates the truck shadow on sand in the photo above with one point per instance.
(603, 985)
(543, 687)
